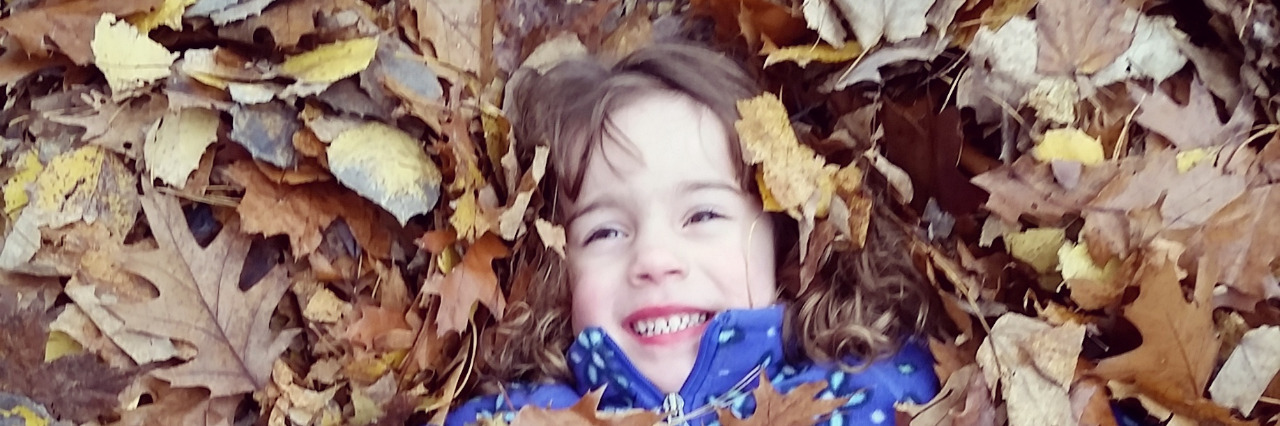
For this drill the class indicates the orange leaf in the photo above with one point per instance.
(584, 413)
(471, 281)
(797, 407)
(1178, 339)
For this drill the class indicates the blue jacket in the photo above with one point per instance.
(738, 346)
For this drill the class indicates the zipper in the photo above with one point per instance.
(673, 406)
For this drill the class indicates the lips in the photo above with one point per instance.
(665, 324)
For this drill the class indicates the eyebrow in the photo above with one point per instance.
(683, 188)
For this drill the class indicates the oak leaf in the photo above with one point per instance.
(1194, 125)
(583, 413)
(1178, 339)
(797, 407)
(201, 302)
(467, 283)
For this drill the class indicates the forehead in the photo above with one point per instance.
(664, 132)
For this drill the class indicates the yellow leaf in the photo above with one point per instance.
(1069, 144)
(128, 59)
(1037, 247)
(331, 62)
(59, 345)
(1075, 262)
(387, 166)
(766, 197)
(15, 189)
(792, 173)
(1191, 158)
(88, 184)
(173, 149)
(824, 53)
(168, 14)
(464, 215)
(324, 306)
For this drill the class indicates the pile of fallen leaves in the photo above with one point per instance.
(309, 211)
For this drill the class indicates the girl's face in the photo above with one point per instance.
(661, 237)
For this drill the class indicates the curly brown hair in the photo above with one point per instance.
(861, 304)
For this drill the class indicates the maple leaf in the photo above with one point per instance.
(469, 282)
(201, 302)
(583, 413)
(1080, 35)
(797, 407)
(1178, 340)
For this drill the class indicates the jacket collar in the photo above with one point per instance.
(737, 346)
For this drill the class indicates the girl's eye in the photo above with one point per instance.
(703, 216)
(602, 233)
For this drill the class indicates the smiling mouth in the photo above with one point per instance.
(669, 324)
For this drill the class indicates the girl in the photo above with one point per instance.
(681, 291)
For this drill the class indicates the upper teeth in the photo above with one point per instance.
(668, 324)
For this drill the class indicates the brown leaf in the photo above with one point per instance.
(798, 407)
(287, 22)
(303, 212)
(381, 329)
(469, 282)
(1033, 364)
(1241, 241)
(1194, 125)
(180, 406)
(1080, 35)
(1028, 188)
(583, 413)
(73, 387)
(67, 25)
(1178, 340)
(201, 302)
(452, 28)
(964, 400)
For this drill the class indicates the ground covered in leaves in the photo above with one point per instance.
(308, 211)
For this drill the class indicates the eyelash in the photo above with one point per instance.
(709, 214)
(602, 233)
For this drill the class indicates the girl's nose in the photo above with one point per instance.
(656, 261)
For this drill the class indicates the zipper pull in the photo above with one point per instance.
(673, 405)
